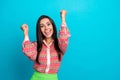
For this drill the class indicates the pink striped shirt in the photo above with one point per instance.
(49, 62)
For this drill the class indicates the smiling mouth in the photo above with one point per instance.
(47, 32)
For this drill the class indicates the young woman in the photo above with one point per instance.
(48, 50)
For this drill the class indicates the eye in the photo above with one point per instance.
(41, 26)
(48, 24)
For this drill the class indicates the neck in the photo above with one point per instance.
(48, 40)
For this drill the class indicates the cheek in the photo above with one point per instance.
(42, 30)
(51, 28)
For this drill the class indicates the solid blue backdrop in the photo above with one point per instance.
(94, 47)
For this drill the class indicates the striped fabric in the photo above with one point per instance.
(48, 58)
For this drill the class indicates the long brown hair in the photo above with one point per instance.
(40, 37)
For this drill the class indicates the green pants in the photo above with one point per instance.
(41, 76)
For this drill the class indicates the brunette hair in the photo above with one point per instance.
(40, 37)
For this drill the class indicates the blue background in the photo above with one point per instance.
(94, 47)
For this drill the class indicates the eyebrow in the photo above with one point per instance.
(48, 22)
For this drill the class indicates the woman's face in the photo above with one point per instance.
(46, 28)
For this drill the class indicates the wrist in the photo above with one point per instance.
(25, 34)
(26, 38)
(63, 20)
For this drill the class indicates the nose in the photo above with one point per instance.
(46, 27)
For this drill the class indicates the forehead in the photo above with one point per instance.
(44, 21)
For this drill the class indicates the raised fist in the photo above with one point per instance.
(24, 27)
(63, 13)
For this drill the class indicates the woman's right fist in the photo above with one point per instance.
(24, 27)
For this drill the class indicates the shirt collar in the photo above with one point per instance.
(48, 45)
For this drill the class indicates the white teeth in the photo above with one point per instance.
(47, 32)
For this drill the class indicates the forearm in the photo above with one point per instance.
(24, 28)
(63, 20)
(29, 48)
(63, 16)
(26, 38)
(64, 32)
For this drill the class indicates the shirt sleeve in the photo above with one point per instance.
(29, 48)
(63, 37)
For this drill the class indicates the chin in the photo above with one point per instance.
(48, 36)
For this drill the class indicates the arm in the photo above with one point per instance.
(29, 48)
(64, 33)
